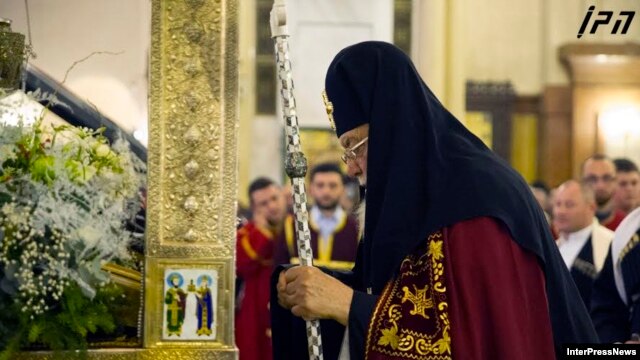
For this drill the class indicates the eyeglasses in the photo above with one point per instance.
(593, 179)
(350, 154)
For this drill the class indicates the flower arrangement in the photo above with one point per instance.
(65, 195)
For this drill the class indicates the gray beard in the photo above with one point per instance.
(360, 215)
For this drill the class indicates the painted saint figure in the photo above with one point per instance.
(190, 324)
(175, 301)
(205, 310)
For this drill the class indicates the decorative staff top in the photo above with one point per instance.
(279, 19)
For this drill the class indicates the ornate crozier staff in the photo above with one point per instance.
(295, 162)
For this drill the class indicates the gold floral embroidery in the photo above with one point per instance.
(389, 337)
(390, 333)
(435, 250)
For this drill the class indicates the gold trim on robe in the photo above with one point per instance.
(410, 320)
(324, 256)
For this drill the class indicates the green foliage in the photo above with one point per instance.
(88, 154)
(65, 195)
(66, 326)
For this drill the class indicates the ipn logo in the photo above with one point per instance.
(604, 17)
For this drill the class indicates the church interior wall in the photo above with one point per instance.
(504, 42)
(519, 42)
(452, 41)
(247, 89)
(64, 32)
(593, 133)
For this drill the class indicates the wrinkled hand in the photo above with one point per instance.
(635, 339)
(311, 294)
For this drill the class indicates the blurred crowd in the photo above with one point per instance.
(267, 237)
(585, 215)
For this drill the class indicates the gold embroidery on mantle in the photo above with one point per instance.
(413, 324)
(419, 300)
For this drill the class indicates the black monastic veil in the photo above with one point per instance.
(426, 171)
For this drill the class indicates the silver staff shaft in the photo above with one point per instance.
(295, 162)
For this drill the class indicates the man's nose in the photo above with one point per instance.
(352, 169)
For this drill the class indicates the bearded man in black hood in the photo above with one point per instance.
(456, 259)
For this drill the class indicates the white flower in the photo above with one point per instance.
(103, 150)
(88, 172)
(81, 212)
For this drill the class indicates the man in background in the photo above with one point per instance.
(334, 234)
(627, 196)
(615, 302)
(541, 193)
(255, 244)
(351, 196)
(599, 173)
(583, 242)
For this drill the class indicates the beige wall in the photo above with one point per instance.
(66, 31)
(438, 49)
(247, 100)
(504, 42)
(562, 20)
(518, 40)
(589, 102)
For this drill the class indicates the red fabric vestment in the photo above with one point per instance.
(468, 292)
(614, 220)
(254, 267)
(340, 253)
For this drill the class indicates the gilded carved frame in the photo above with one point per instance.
(192, 169)
(192, 158)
